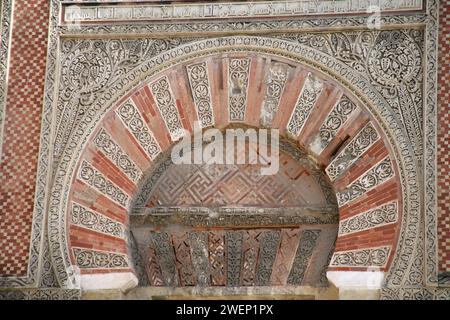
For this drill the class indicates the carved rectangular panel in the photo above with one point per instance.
(234, 257)
(334, 121)
(369, 180)
(379, 216)
(250, 251)
(302, 256)
(201, 92)
(238, 74)
(96, 259)
(353, 151)
(105, 143)
(316, 272)
(183, 258)
(269, 246)
(135, 123)
(275, 82)
(285, 256)
(200, 255)
(165, 101)
(370, 257)
(217, 258)
(305, 103)
(90, 219)
(154, 273)
(95, 179)
(136, 259)
(165, 257)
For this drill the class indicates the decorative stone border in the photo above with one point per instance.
(40, 294)
(430, 144)
(229, 10)
(233, 217)
(6, 11)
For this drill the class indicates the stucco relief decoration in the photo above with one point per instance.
(199, 81)
(391, 59)
(335, 120)
(91, 259)
(388, 71)
(165, 102)
(275, 85)
(238, 77)
(395, 63)
(133, 120)
(89, 66)
(373, 257)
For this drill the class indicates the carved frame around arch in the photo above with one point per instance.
(312, 58)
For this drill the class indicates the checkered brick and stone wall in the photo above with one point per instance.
(21, 127)
(444, 138)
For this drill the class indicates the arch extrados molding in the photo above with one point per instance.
(409, 243)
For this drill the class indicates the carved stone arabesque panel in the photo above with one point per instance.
(334, 121)
(201, 92)
(234, 257)
(305, 103)
(41, 294)
(303, 255)
(200, 257)
(95, 259)
(415, 293)
(137, 260)
(378, 174)
(353, 151)
(104, 142)
(165, 101)
(269, 246)
(377, 217)
(373, 257)
(133, 121)
(6, 9)
(394, 63)
(430, 144)
(275, 82)
(238, 74)
(95, 179)
(89, 219)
